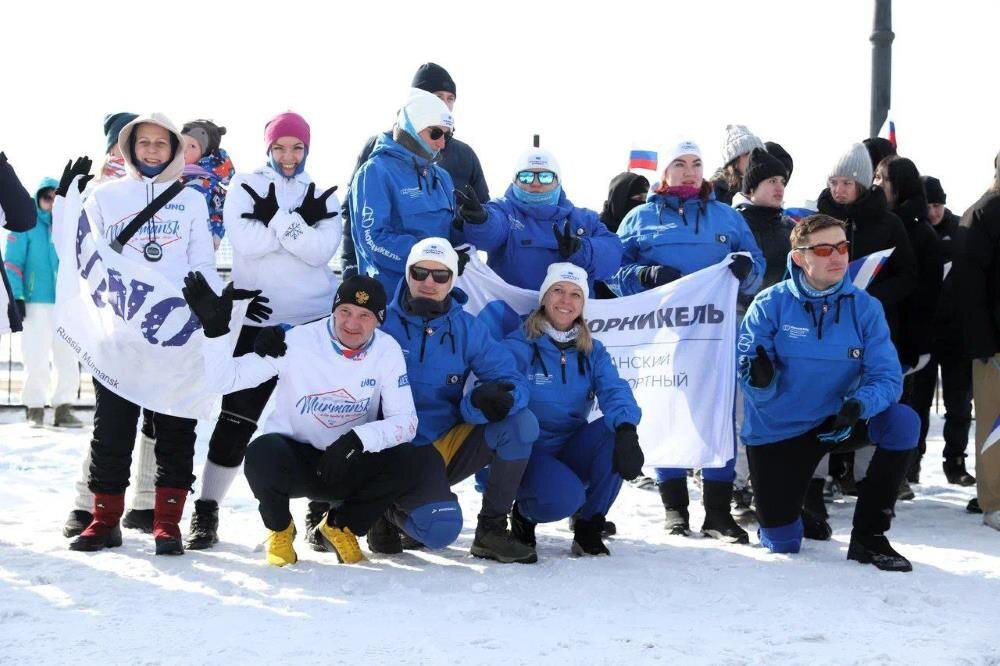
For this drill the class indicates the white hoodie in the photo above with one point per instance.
(322, 394)
(180, 228)
(287, 259)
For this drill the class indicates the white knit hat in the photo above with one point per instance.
(739, 141)
(536, 158)
(433, 249)
(672, 151)
(564, 272)
(422, 110)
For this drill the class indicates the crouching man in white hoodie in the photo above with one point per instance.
(343, 415)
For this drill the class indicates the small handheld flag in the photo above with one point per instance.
(642, 159)
(864, 270)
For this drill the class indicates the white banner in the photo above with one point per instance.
(675, 346)
(128, 324)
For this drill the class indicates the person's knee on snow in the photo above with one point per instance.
(513, 437)
(896, 429)
(435, 525)
(782, 539)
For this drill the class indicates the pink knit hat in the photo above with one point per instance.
(286, 124)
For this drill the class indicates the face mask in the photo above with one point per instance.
(151, 172)
(551, 198)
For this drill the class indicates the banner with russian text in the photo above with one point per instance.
(674, 345)
(129, 325)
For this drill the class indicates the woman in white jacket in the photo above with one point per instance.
(173, 242)
(283, 235)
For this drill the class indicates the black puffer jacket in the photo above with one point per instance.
(771, 229)
(872, 227)
(947, 323)
(977, 276)
(919, 308)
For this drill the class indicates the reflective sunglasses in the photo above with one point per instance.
(440, 275)
(826, 249)
(436, 133)
(544, 177)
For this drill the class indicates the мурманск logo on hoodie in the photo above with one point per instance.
(334, 408)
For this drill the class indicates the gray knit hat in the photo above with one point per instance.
(739, 140)
(854, 164)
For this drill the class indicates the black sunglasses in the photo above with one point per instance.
(544, 177)
(440, 275)
(436, 133)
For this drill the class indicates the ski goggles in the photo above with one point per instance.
(440, 275)
(826, 249)
(436, 133)
(544, 177)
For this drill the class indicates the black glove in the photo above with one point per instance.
(628, 458)
(469, 207)
(81, 167)
(257, 312)
(270, 342)
(494, 399)
(313, 208)
(848, 415)
(463, 260)
(214, 312)
(741, 266)
(339, 459)
(19, 303)
(264, 209)
(3, 157)
(761, 369)
(566, 242)
(651, 277)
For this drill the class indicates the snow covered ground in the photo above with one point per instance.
(657, 599)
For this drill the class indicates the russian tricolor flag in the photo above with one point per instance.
(993, 437)
(864, 270)
(888, 130)
(642, 159)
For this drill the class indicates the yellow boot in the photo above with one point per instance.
(340, 540)
(279, 546)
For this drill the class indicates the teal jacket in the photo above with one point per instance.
(30, 257)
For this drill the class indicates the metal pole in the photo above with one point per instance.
(882, 36)
(536, 141)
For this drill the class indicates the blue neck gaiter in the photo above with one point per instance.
(271, 162)
(551, 198)
(812, 292)
(151, 172)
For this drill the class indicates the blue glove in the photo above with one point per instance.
(849, 414)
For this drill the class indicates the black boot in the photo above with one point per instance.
(521, 528)
(814, 513)
(874, 510)
(139, 519)
(494, 542)
(587, 537)
(719, 523)
(674, 494)
(77, 522)
(204, 530)
(742, 510)
(973, 506)
(609, 529)
(383, 537)
(314, 516)
(954, 470)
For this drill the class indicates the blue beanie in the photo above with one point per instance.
(113, 124)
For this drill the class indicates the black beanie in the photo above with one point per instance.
(433, 78)
(775, 150)
(113, 124)
(363, 291)
(762, 165)
(934, 191)
(878, 149)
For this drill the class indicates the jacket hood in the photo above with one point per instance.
(174, 168)
(45, 184)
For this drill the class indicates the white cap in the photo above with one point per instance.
(674, 150)
(433, 249)
(422, 110)
(537, 159)
(564, 272)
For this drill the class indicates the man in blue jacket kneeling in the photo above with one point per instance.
(819, 373)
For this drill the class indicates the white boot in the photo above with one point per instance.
(992, 519)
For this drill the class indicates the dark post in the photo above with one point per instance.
(881, 39)
(535, 141)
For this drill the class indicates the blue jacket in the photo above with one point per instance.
(686, 235)
(30, 257)
(564, 384)
(825, 350)
(440, 354)
(519, 240)
(398, 198)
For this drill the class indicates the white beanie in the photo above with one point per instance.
(739, 141)
(564, 272)
(422, 110)
(433, 249)
(536, 158)
(683, 147)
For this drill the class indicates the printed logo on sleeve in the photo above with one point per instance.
(404, 380)
(722, 238)
(855, 352)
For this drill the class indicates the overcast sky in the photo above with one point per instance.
(591, 78)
